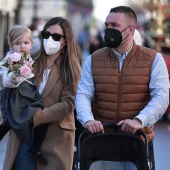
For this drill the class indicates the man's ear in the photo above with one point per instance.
(131, 30)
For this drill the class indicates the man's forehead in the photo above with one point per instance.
(115, 18)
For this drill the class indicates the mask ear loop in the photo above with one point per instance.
(61, 46)
(124, 30)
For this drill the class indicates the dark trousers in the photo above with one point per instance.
(3, 130)
(38, 137)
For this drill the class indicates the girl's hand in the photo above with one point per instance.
(16, 79)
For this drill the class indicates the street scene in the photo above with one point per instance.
(87, 23)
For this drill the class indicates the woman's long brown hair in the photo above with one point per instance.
(70, 66)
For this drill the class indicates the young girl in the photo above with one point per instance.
(19, 97)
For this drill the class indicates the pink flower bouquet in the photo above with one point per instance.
(20, 65)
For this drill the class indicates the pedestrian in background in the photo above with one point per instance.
(96, 42)
(123, 82)
(57, 71)
(36, 27)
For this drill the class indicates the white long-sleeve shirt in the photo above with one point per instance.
(158, 85)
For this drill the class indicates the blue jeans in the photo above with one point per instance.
(23, 161)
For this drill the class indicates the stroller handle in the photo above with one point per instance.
(111, 125)
(114, 126)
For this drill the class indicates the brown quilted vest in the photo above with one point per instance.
(121, 95)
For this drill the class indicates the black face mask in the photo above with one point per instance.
(113, 37)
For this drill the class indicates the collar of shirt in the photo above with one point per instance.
(122, 57)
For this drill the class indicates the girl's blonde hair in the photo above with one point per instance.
(17, 32)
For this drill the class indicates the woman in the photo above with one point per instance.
(57, 72)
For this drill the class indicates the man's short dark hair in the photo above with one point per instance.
(126, 10)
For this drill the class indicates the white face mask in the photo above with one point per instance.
(51, 47)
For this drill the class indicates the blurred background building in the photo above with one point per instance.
(34, 13)
(87, 19)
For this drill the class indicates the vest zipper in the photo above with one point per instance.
(118, 96)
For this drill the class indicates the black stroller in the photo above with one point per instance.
(114, 146)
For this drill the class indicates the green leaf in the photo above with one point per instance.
(15, 66)
(22, 60)
(5, 64)
(24, 55)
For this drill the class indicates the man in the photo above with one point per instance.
(123, 82)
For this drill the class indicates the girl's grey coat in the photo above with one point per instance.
(58, 146)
